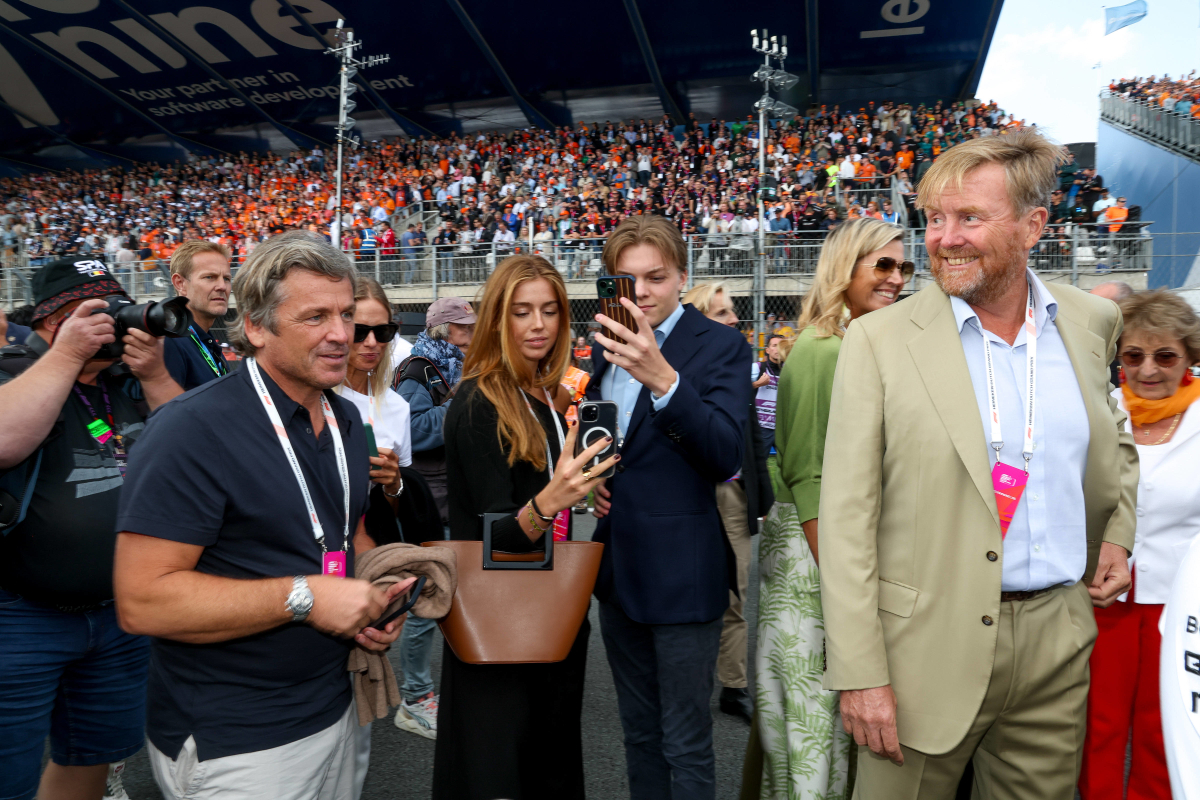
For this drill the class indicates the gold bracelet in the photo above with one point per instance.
(532, 521)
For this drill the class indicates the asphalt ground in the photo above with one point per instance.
(402, 763)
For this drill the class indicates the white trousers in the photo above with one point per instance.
(317, 767)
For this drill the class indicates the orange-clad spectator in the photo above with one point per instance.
(1116, 215)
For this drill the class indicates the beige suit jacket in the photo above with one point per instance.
(908, 515)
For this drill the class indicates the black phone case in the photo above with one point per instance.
(605, 425)
(611, 306)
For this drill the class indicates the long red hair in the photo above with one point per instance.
(495, 362)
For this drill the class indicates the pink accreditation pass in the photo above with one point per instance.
(334, 564)
(562, 525)
(1008, 483)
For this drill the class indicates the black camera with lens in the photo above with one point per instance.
(160, 318)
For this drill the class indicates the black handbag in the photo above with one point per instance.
(415, 519)
(418, 512)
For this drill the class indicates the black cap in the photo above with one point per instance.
(67, 279)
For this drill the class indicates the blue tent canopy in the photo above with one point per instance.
(153, 79)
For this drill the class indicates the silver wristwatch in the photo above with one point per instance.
(300, 600)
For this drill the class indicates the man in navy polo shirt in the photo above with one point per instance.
(236, 551)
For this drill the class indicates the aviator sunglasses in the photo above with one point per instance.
(383, 333)
(885, 265)
(1164, 358)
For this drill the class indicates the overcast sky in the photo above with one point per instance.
(1049, 58)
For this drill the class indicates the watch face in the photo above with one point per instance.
(300, 601)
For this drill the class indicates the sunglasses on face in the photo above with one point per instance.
(1164, 358)
(383, 333)
(886, 265)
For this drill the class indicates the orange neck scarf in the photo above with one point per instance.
(1145, 412)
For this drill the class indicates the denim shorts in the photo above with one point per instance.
(76, 677)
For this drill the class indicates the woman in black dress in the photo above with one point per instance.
(513, 730)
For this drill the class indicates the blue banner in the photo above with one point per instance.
(106, 72)
(1120, 16)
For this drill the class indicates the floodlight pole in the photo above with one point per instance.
(767, 47)
(345, 45)
(343, 82)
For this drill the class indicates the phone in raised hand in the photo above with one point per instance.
(610, 289)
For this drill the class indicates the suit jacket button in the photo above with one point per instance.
(620, 467)
(987, 620)
(992, 555)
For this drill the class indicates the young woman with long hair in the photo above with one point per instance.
(513, 730)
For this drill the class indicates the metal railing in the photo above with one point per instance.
(1179, 132)
(425, 272)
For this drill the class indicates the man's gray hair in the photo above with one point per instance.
(439, 332)
(257, 285)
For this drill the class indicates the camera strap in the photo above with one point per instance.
(331, 561)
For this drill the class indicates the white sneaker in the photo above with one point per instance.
(114, 788)
(419, 717)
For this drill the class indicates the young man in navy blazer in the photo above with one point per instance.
(682, 398)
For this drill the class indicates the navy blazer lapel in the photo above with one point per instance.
(679, 349)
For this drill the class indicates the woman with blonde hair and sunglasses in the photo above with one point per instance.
(513, 730)
(1159, 344)
(805, 751)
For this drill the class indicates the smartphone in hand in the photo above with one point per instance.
(610, 289)
(597, 419)
(372, 450)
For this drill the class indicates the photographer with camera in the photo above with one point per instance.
(67, 670)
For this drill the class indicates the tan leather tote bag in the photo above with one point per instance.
(518, 608)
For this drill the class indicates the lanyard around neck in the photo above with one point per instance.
(562, 441)
(997, 441)
(268, 404)
(218, 370)
(99, 430)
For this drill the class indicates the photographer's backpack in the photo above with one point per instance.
(16, 483)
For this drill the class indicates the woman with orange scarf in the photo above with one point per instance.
(1160, 344)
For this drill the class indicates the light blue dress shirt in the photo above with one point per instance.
(617, 385)
(1046, 543)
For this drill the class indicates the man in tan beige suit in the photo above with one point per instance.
(953, 633)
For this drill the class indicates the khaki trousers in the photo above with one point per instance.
(317, 767)
(1027, 740)
(731, 660)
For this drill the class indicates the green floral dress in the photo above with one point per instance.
(805, 750)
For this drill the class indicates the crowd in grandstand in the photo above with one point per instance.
(578, 183)
(1181, 96)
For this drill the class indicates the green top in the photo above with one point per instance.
(801, 418)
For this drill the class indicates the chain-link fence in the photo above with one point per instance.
(415, 275)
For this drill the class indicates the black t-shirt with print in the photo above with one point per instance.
(62, 553)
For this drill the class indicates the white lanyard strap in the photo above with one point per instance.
(1031, 385)
(343, 472)
(562, 440)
